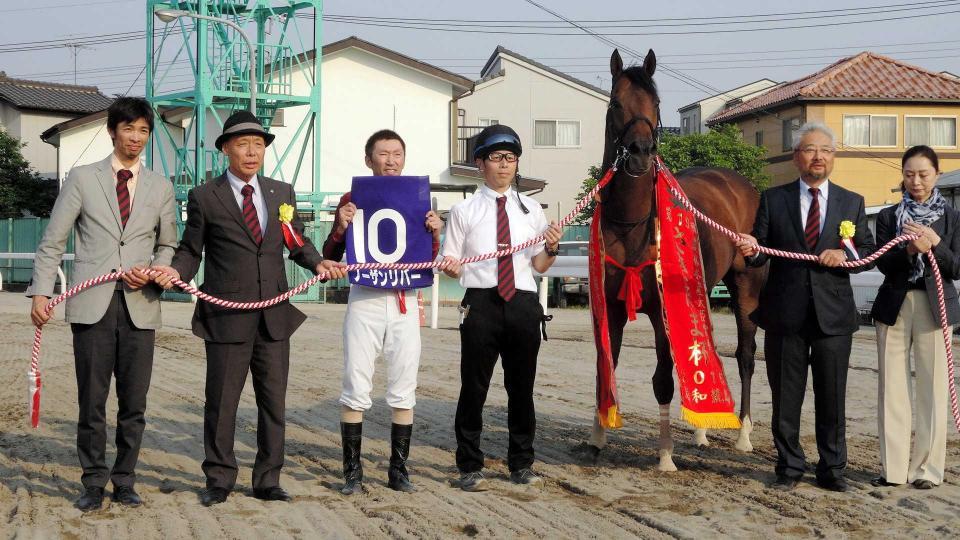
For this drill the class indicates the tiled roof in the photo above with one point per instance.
(47, 96)
(867, 76)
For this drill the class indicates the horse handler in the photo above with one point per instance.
(501, 315)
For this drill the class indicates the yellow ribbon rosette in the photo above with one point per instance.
(290, 236)
(847, 229)
(286, 213)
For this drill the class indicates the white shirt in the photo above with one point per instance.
(258, 204)
(472, 230)
(806, 199)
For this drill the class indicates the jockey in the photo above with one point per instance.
(377, 322)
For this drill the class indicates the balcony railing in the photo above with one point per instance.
(466, 142)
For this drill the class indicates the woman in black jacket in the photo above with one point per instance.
(907, 316)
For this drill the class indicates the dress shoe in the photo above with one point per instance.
(785, 483)
(213, 495)
(126, 496)
(275, 493)
(525, 477)
(92, 499)
(881, 481)
(921, 483)
(834, 484)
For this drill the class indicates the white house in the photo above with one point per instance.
(27, 108)
(693, 117)
(364, 88)
(560, 121)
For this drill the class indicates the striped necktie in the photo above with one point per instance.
(123, 195)
(250, 213)
(505, 285)
(812, 231)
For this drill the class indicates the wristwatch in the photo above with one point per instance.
(551, 252)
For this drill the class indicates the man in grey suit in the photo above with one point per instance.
(233, 224)
(124, 218)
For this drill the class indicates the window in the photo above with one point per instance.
(935, 131)
(790, 128)
(685, 125)
(484, 122)
(758, 138)
(556, 133)
(277, 119)
(869, 130)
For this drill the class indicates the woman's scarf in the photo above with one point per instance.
(923, 213)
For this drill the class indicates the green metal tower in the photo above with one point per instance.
(195, 104)
(198, 73)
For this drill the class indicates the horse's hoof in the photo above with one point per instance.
(666, 462)
(744, 445)
(587, 453)
(700, 438)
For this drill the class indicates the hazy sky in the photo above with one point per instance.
(717, 49)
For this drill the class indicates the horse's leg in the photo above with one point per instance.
(616, 320)
(663, 388)
(744, 286)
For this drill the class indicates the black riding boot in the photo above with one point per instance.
(398, 479)
(351, 437)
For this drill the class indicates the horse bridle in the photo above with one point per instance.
(622, 152)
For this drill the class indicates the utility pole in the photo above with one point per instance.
(75, 51)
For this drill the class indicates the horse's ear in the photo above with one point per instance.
(650, 63)
(616, 64)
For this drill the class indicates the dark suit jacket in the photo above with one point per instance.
(897, 264)
(792, 286)
(235, 267)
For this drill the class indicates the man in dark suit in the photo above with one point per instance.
(807, 309)
(235, 219)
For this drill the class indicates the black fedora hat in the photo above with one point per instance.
(242, 123)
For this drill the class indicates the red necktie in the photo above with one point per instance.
(812, 232)
(250, 213)
(505, 286)
(123, 195)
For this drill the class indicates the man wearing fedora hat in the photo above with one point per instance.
(233, 223)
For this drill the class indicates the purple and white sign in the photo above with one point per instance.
(388, 228)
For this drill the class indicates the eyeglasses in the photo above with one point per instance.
(497, 157)
(811, 150)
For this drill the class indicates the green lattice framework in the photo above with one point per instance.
(219, 61)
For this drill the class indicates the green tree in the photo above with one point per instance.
(722, 146)
(23, 192)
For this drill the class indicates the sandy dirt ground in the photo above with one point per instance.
(718, 491)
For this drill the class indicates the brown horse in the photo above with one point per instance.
(628, 236)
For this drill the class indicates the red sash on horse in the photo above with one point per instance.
(704, 396)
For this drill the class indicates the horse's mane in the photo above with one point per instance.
(638, 76)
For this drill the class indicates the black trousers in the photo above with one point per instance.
(112, 346)
(788, 357)
(511, 331)
(227, 367)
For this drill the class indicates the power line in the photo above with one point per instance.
(643, 33)
(675, 73)
(753, 19)
(821, 12)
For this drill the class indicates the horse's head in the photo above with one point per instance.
(633, 115)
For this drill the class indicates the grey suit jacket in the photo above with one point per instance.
(88, 203)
